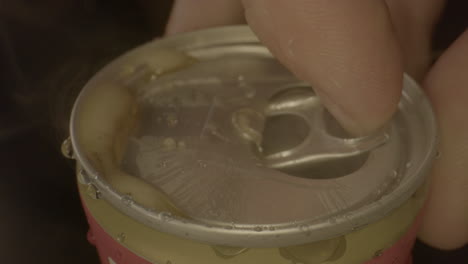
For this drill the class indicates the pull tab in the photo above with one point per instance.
(324, 141)
(295, 131)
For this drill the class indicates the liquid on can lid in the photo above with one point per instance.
(206, 135)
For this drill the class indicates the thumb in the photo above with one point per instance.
(345, 49)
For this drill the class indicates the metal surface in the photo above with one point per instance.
(405, 158)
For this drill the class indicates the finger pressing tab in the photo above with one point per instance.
(189, 15)
(346, 50)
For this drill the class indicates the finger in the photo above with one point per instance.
(446, 223)
(189, 15)
(345, 49)
(414, 22)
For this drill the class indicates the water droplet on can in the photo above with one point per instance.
(171, 119)
(201, 163)
(378, 253)
(82, 177)
(93, 192)
(121, 237)
(181, 144)
(169, 143)
(437, 155)
(250, 93)
(258, 229)
(165, 216)
(161, 164)
(228, 252)
(127, 200)
(67, 149)
(152, 77)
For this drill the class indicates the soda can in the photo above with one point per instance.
(202, 148)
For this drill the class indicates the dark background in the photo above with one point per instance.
(48, 49)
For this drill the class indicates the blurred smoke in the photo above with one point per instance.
(50, 48)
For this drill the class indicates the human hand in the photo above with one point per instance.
(354, 53)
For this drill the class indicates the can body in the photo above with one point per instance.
(122, 240)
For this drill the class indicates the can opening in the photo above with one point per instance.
(283, 132)
(296, 122)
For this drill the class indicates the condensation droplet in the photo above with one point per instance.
(152, 77)
(82, 177)
(378, 192)
(303, 227)
(165, 216)
(201, 163)
(67, 149)
(121, 237)
(169, 143)
(378, 253)
(171, 119)
(250, 93)
(272, 228)
(181, 144)
(437, 155)
(162, 164)
(408, 165)
(227, 252)
(258, 229)
(127, 200)
(93, 192)
(386, 137)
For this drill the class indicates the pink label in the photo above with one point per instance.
(112, 252)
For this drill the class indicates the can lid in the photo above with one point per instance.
(209, 127)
